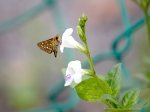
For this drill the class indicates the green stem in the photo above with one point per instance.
(90, 59)
(147, 20)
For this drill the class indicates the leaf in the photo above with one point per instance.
(147, 75)
(110, 101)
(113, 79)
(130, 98)
(121, 110)
(92, 89)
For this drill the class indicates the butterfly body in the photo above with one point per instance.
(50, 45)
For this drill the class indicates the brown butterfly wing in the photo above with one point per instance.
(46, 45)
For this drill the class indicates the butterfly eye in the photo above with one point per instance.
(57, 38)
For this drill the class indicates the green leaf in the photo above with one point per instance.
(110, 101)
(147, 75)
(130, 98)
(113, 79)
(121, 110)
(92, 89)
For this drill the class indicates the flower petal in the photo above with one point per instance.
(67, 32)
(68, 79)
(77, 77)
(61, 48)
(69, 42)
(76, 65)
(74, 73)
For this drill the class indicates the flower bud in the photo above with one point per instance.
(82, 21)
(81, 34)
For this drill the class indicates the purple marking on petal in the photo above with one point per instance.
(68, 77)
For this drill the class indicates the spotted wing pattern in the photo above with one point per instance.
(50, 45)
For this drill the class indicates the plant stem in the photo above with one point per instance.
(147, 21)
(89, 59)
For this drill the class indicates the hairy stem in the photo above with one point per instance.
(90, 59)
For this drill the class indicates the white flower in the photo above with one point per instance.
(74, 73)
(68, 41)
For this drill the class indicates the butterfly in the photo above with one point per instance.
(50, 45)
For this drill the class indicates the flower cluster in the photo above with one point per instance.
(74, 72)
